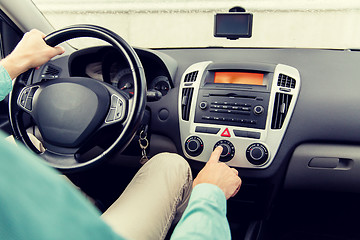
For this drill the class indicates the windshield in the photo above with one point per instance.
(187, 23)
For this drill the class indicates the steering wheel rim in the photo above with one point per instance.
(61, 158)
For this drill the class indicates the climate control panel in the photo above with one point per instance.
(256, 153)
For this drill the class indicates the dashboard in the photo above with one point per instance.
(286, 118)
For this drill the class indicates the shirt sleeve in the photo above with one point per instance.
(5, 83)
(205, 216)
(38, 204)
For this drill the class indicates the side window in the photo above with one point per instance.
(10, 35)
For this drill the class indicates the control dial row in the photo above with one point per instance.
(256, 153)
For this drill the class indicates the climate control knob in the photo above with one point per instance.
(194, 146)
(257, 154)
(228, 150)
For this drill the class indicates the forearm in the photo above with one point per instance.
(13, 66)
(205, 216)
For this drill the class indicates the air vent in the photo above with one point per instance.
(281, 106)
(286, 81)
(191, 77)
(186, 102)
(51, 72)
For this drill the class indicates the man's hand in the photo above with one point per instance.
(219, 174)
(31, 52)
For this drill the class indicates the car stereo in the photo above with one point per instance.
(244, 107)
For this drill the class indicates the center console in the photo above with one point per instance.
(243, 107)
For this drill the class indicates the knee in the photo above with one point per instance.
(172, 163)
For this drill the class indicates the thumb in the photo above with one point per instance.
(59, 50)
(215, 155)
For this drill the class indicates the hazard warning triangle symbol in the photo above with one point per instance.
(226, 133)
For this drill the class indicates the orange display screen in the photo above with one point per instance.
(239, 78)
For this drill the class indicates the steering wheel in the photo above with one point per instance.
(71, 112)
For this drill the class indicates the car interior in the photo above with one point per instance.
(286, 117)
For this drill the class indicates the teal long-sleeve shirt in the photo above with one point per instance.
(37, 203)
(5, 83)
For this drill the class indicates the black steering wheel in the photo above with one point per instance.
(72, 112)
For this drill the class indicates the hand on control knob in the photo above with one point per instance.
(219, 174)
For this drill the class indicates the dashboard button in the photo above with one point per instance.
(209, 130)
(32, 91)
(226, 133)
(245, 105)
(194, 146)
(215, 106)
(111, 115)
(114, 101)
(213, 130)
(258, 110)
(203, 105)
(257, 154)
(201, 129)
(228, 150)
(239, 133)
(255, 135)
(28, 104)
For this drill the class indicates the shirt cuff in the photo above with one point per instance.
(210, 192)
(5, 83)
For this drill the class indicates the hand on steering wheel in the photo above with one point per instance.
(70, 111)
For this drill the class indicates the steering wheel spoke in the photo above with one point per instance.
(62, 161)
(25, 99)
(118, 109)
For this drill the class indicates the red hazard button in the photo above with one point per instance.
(226, 133)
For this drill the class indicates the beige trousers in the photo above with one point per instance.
(156, 196)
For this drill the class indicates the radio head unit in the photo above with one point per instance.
(244, 107)
(234, 95)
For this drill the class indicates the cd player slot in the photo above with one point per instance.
(232, 95)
